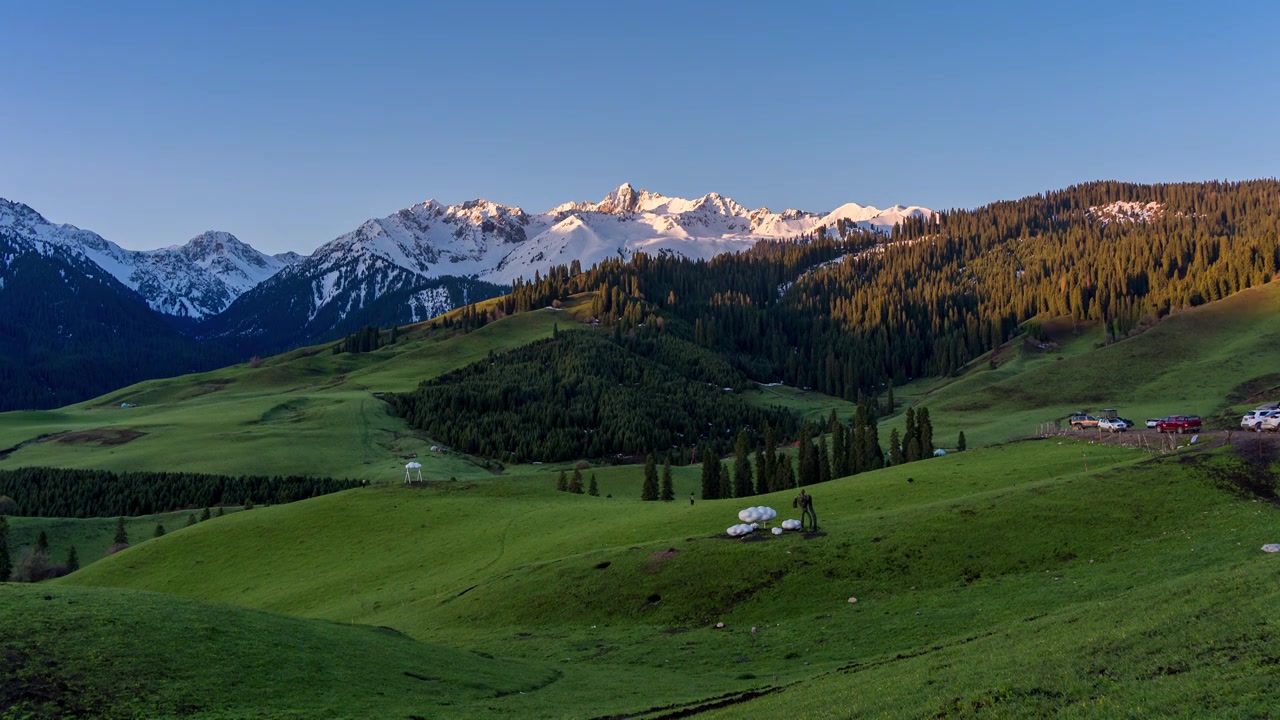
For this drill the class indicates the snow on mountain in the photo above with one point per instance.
(1126, 212)
(195, 280)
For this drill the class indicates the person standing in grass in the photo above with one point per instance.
(804, 501)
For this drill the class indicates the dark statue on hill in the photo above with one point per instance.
(804, 501)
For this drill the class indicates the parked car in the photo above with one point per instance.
(1179, 424)
(1153, 422)
(1271, 423)
(1127, 422)
(1080, 420)
(1112, 425)
(1253, 419)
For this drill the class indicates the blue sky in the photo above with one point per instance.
(288, 124)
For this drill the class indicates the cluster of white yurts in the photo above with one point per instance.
(754, 518)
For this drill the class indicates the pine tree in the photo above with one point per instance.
(786, 473)
(909, 433)
(650, 489)
(875, 455)
(575, 482)
(159, 531)
(6, 561)
(191, 519)
(122, 536)
(742, 485)
(769, 478)
(73, 560)
(762, 477)
(206, 514)
(839, 459)
(42, 543)
(888, 404)
(895, 448)
(668, 486)
(221, 511)
(594, 488)
(710, 474)
(961, 446)
(926, 433)
(806, 459)
(824, 459)
(562, 482)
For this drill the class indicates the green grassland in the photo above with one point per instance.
(307, 412)
(1007, 582)
(91, 537)
(103, 653)
(1216, 360)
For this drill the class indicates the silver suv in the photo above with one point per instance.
(1255, 419)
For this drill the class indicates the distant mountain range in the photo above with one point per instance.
(409, 266)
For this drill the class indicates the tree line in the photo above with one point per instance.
(63, 492)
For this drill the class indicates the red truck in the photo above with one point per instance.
(1179, 424)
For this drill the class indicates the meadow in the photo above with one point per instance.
(1008, 581)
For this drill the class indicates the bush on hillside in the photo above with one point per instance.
(117, 548)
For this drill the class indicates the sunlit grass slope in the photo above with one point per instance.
(104, 653)
(1018, 542)
(1213, 360)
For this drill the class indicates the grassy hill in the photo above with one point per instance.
(103, 653)
(306, 412)
(1216, 360)
(1011, 579)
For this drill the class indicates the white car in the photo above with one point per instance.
(1270, 423)
(1112, 425)
(1152, 422)
(1254, 419)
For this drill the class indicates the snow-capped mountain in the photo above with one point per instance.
(479, 245)
(195, 280)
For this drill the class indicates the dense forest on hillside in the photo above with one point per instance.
(846, 316)
(67, 334)
(581, 394)
(63, 492)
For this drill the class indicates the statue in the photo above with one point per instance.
(805, 503)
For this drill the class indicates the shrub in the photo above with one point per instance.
(8, 506)
(32, 567)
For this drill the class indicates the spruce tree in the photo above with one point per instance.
(838, 453)
(961, 446)
(786, 473)
(159, 531)
(6, 561)
(42, 543)
(73, 560)
(910, 432)
(875, 455)
(742, 485)
(668, 486)
(926, 432)
(762, 478)
(221, 511)
(206, 514)
(122, 536)
(562, 482)
(806, 457)
(594, 488)
(710, 474)
(769, 480)
(912, 451)
(895, 448)
(888, 404)
(649, 491)
(575, 482)
(824, 459)
(191, 519)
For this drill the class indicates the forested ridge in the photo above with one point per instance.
(581, 394)
(849, 315)
(64, 492)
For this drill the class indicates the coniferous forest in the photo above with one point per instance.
(64, 492)
(849, 315)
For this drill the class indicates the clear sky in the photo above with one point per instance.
(289, 123)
